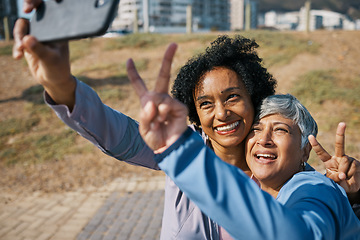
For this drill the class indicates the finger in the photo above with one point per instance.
(30, 5)
(45, 53)
(164, 109)
(135, 79)
(319, 150)
(354, 170)
(340, 140)
(345, 185)
(344, 167)
(34, 47)
(352, 182)
(162, 83)
(21, 29)
(148, 117)
(333, 175)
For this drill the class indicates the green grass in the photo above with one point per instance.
(110, 93)
(13, 126)
(116, 69)
(276, 48)
(316, 87)
(150, 40)
(6, 50)
(137, 40)
(38, 149)
(280, 48)
(79, 49)
(319, 86)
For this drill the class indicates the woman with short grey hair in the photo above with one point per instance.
(288, 106)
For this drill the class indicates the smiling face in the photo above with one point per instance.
(273, 151)
(224, 107)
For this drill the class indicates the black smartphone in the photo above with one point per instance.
(56, 20)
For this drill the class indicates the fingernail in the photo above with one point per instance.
(31, 42)
(342, 176)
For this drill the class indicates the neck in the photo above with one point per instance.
(272, 186)
(273, 191)
(233, 155)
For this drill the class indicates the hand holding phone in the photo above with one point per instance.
(56, 20)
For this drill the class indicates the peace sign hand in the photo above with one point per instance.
(341, 168)
(162, 118)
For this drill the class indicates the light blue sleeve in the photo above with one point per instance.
(111, 131)
(234, 201)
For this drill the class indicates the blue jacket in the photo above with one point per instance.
(308, 206)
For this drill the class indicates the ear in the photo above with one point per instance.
(306, 152)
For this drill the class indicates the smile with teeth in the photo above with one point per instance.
(229, 127)
(266, 156)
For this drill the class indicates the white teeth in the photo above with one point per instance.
(228, 127)
(265, 155)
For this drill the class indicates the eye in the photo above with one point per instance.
(255, 129)
(205, 104)
(232, 97)
(281, 130)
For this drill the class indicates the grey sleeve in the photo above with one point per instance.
(111, 131)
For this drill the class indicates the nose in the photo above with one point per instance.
(221, 112)
(265, 138)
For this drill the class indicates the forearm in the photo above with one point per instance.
(113, 132)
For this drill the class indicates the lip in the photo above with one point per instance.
(225, 132)
(265, 157)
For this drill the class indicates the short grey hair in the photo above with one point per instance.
(289, 107)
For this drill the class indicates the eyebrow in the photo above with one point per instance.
(277, 123)
(230, 89)
(274, 123)
(201, 97)
(223, 91)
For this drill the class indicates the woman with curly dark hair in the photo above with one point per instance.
(237, 54)
(221, 89)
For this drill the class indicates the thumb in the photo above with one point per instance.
(335, 176)
(148, 117)
(319, 150)
(35, 48)
(342, 176)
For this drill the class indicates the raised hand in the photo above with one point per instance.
(341, 168)
(48, 63)
(162, 119)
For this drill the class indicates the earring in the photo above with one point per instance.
(303, 165)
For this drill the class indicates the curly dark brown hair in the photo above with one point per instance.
(237, 54)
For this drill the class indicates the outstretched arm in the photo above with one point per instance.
(74, 102)
(341, 168)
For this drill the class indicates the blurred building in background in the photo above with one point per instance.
(8, 16)
(171, 15)
(319, 19)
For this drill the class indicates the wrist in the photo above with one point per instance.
(63, 93)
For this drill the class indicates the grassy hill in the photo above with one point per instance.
(39, 153)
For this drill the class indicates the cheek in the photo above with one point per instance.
(204, 119)
(248, 113)
(249, 144)
(292, 153)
